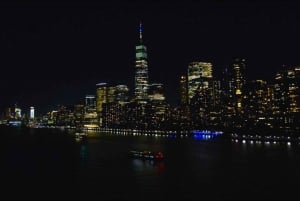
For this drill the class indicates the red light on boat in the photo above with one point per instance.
(159, 155)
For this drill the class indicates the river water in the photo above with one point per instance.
(51, 164)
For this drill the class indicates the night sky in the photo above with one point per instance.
(55, 53)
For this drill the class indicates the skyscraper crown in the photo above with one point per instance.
(141, 32)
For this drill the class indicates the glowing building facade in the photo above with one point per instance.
(286, 98)
(111, 94)
(90, 103)
(141, 70)
(227, 97)
(199, 75)
(156, 92)
(90, 116)
(239, 67)
(258, 103)
(78, 115)
(183, 90)
(18, 113)
(31, 115)
(201, 88)
(101, 96)
(121, 94)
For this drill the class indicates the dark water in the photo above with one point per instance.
(51, 164)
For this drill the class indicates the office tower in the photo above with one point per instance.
(107, 97)
(121, 94)
(200, 92)
(156, 92)
(286, 98)
(183, 110)
(293, 89)
(216, 105)
(157, 99)
(239, 67)
(141, 70)
(18, 112)
(297, 90)
(64, 116)
(31, 115)
(199, 75)
(50, 118)
(111, 93)
(156, 107)
(101, 96)
(227, 97)
(110, 101)
(78, 115)
(183, 90)
(90, 117)
(90, 103)
(256, 102)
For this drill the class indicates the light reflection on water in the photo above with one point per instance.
(232, 169)
(148, 166)
(83, 154)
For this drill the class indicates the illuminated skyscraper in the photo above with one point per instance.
(90, 104)
(121, 94)
(199, 75)
(110, 100)
(256, 102)
(64, 116)
(227, 97)
(78, 115)
(183, 90)
(156, 92)
(18, 112)
(297, 90)
(156, 107)
(111, 94)
(141, 70)
(183, 112)
(293, 88)
(31, 116)
(239, 81)
(90, 115)
(286, 97)
(200, 92)
(101, 96)
(101, 99)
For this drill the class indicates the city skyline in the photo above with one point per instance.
(58, 59)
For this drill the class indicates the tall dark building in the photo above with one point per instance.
(239, 67)
(227, 97)
(199, 75)
(90, 115)
(286, 98)
(115, 99)
(200, 92)
(101, 96)
(156, 106)
(90, 103)
(121, 94)
(141, 70)
(183, 90)
(78, 114)
(258, 103)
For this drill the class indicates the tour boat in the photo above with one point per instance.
(146, 155)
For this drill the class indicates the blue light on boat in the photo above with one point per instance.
(205, 134)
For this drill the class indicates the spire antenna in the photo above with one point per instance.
(141, 31)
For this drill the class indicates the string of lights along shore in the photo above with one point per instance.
(206, 101)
